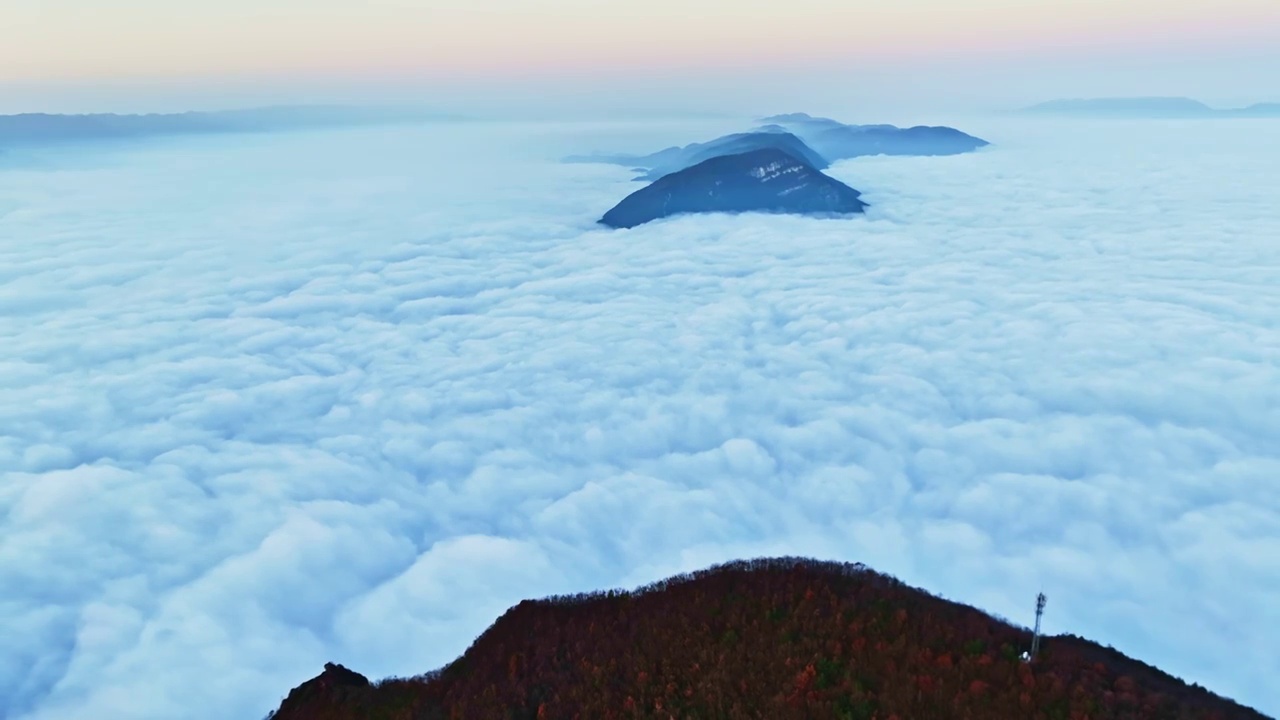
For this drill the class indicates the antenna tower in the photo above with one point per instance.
(1035, 639)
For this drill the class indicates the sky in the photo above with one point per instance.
(272, 401)
(521, 56)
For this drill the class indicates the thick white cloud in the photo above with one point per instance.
(268, 402)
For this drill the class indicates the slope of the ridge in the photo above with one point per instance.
(738, 144)
(765, 180)
(835, 140)
(778, 638)
(673, 159)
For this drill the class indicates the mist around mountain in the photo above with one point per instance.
(763, 180)
(816, 140)
(839, 141)
(1147, 107)
(233, 360)
(663, 162)
(776, 168)
(33, 129)
(769, 638)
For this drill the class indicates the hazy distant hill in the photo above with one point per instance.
(1147, 107)
(776, 639)
(672, 159)
(42, 128)
(838, 141)
(817, 141)
(775, 168)
(764, 180)
(1258, 110)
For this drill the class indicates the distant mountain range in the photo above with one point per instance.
(1148, 107)
(775, 168)
(45, 129)
(835, 140)
(816, 140)
(778, 638)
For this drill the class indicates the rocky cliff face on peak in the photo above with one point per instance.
(336, 687)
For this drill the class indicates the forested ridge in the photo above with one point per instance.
(781, 638)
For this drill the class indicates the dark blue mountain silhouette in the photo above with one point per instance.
(764, 180)
(837, 141)
(672, 159)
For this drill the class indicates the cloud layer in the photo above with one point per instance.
(268, 402)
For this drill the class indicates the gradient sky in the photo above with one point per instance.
(66, 53)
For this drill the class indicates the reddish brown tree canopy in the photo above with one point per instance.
(772, 639)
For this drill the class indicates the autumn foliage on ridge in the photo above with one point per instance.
(770, 639)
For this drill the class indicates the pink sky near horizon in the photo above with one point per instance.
(142, 55)
(79, 40)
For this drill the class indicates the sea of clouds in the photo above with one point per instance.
(271, 401)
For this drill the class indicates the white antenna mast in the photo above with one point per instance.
(1040, 611)
(1035, 638)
